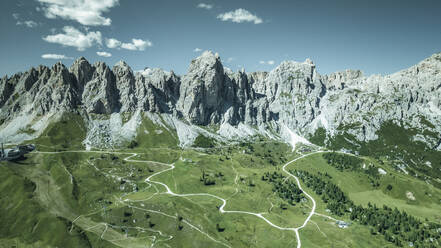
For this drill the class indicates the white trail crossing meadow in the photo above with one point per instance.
(224, 201)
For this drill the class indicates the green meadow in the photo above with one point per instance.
(63, 196)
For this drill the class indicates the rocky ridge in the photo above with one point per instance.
(290, 101)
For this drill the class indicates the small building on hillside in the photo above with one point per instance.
(342, 224)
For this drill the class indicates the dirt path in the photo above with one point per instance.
(224, 201)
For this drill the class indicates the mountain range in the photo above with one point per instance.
(293, 102)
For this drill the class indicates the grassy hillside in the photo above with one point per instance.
(66, 133)
(27, 217)
(395, 144)
(150, 135)
(74, 198)
(358, 186)
(393, 190)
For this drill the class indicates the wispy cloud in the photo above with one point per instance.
(75, 38)
(28, 23)
(88, 12)
(269, 62)
(205, 6)
(239, 16)
(104, 54)
(196, 50)
(135, 45)
(55, 56)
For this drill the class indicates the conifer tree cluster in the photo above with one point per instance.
(344, 162)
(396, 226)
(336, 201)
(285, 188)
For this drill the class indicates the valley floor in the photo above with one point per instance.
(168, 197)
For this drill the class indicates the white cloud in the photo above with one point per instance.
(196, 50)
(230, 59)
(55, 56)
(86, 12)
(29, 24)
(239, 16)
(135, 45)
(104, 54)
(75, 38)
(113, 43)
(16, 16)
(269, 62)
(205, 6)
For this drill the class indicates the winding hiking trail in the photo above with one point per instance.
(224, 201)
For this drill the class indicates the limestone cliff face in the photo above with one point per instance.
(157, 91)
(125, 85)
(365, 103)
(203, 90)
(100, 95)
(292, 96)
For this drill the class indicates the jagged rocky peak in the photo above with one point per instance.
(100, 95)
(202, 89)
(340, 80)
(434, 59)
(345, 75)
(296, 70)
(292, 77)
(61, 75)
(207, 62)
(292, 96)
(28, 79)
(82, 70)
(122, 66)
(431, 64)
(6, 89)
(157, 90)
(53, 90)
(161, 79)
(257, 80)
(122, 70)
(125, 83)
(101, 68)
(58, 67)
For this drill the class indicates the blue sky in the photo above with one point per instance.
(378, 37)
